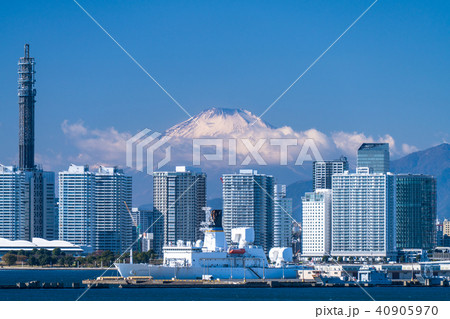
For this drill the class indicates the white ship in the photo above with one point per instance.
(212, 259)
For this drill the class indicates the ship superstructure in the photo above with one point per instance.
(213, 259)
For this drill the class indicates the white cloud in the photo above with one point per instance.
(349, 143)
(241, 124)
(74, 130)
(408, 149)
(108, 146)
(105, 147)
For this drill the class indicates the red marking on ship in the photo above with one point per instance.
(237, 251)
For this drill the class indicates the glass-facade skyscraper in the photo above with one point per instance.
(375, 156)
(415, 211)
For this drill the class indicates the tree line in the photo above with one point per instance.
(56, 257)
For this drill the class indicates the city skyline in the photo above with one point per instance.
(219, 123)
(278, 146)
(91, 143)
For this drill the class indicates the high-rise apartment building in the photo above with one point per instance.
(324, 170)
(113, 224)
(415, 211)
(12, 203)
(180, 196)
(316, 226)
(282, 218)
(29, 198)
(374, 156)
(363, 214)
(248, 202)
(92, 209)
(77, 206)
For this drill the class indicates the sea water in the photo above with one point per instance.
(9, 277)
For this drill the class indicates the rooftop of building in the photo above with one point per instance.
(340, 159)
(181, 170)
(363, 171)
(367, 146)
(409, 175)
(247, 172)
(84, 169)
(317, 195)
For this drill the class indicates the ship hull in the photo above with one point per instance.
(193, 273)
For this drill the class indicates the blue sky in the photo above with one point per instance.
(389, 74)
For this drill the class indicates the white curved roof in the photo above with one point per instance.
(52, 243)
(36, 243)
(15, 243)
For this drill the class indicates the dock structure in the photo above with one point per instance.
(148, 282)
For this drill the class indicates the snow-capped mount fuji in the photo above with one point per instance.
(247, 131)
(219, 122)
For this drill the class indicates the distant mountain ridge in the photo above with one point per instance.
(432, 161)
